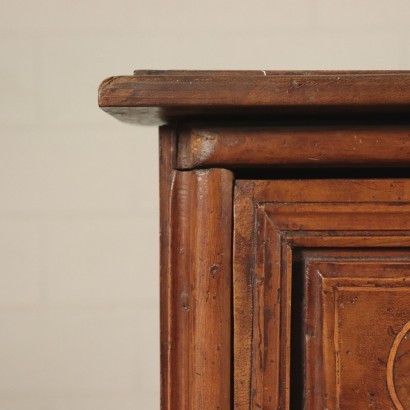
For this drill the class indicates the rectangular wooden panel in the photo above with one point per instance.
(354, 311)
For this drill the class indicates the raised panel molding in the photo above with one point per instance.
(275, 225)
(354, 311)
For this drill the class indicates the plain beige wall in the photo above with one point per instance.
(79, 193)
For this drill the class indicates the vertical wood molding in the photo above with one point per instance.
(243, 285)
(196, 283)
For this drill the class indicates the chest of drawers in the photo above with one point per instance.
(285, 235)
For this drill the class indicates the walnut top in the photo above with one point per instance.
(158, 97)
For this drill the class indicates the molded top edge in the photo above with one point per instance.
(157, 97)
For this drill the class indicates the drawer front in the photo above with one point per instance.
(321, 294)
(355, 323)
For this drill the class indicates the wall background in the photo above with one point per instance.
(78, 190)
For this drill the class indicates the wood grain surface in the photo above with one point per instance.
(277, 309)
(196, 276)
(306, 305)
(297, 146)
(155, 97)
(355, 307)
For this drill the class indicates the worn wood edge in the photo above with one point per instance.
(199, 307)
(270, 90)
(234, 147)
(157, 98)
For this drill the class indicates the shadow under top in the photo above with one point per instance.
(159, 97)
